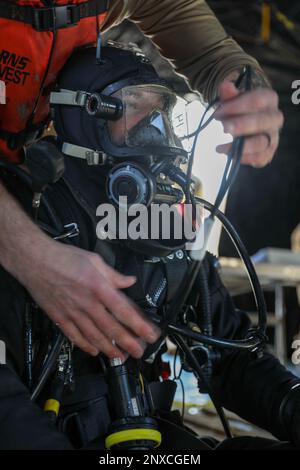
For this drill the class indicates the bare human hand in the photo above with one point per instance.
(253, 114)
(81, 294)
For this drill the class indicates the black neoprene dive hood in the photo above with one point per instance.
(133, 133)
(119, 68)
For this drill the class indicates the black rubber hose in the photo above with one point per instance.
(48, 366)
(195, 365)
(251, 344)
(256, 336)
(242, 252)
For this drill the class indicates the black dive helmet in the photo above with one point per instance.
(119, 113)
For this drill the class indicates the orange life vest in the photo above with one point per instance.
(35, 42)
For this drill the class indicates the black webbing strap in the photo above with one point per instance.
(50, 18)
(16, 140)
(176, 270)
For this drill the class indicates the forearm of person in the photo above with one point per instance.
(188, 33)
(20, 239)
(75, 288)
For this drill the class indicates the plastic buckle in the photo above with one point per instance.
(39, 19)
(64, 16)
(95, 158)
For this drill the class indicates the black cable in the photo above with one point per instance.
(250, 344)
(28, 343)
(243, 254)
(48, 366)
(183, 396)
(197, 132)
(230, 173)
(256, 336)
(196, 367)
(174, 363)
(42, 349)
(235, 159)
(236, 151)
(177, 377)
(183, 293)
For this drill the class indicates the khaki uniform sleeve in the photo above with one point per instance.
(188, 34)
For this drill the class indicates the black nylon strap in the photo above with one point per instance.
(17, 140)
(176, 270)
(50, 18)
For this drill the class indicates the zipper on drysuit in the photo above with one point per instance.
(154, 298)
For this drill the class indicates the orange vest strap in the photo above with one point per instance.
(30, 60)
(52, 18)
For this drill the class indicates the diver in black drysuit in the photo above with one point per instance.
(259, 390)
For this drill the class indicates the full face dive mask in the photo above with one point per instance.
(118, 113)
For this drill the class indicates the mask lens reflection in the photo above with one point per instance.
(147, 118)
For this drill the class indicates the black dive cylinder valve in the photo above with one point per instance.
(132, 428)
